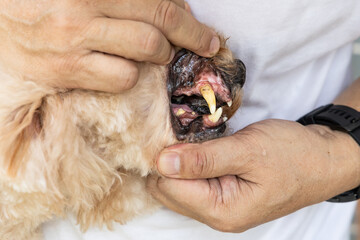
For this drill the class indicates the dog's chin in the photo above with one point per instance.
(204, 93)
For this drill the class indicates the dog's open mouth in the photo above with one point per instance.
(204, 94)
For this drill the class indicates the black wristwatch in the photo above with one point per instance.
(340, 118)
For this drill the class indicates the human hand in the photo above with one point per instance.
(95, 44)
(263, 172)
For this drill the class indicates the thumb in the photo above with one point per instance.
(210, 159)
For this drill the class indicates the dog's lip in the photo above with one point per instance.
(188, 73)
(195, 131)
(210, 77)
(188, 115)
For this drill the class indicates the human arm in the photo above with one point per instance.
(95, 44)
(265, 171)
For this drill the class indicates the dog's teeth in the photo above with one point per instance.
(225, 119)
(216, 116)
(180, 112)
(193, 113)
(208, 93)
(229, 103)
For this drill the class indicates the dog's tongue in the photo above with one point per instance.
(186, 115)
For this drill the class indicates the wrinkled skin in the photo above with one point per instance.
(265, 171)
(95, 44)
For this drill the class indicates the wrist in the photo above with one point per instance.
(347, 121)
(343, 159)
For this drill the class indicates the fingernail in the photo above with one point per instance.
(169, 163)
(172, 55)
(214, 45)
(187, 7)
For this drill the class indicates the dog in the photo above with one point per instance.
(88, 153)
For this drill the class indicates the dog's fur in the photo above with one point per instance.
(79, 151)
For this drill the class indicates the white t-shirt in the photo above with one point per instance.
(297, 55)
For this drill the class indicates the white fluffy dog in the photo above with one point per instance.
(89, 153)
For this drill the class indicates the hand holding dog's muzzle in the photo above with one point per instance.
(261, 173)
(95, 44)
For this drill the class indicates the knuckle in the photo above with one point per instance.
(203, 165)
(167, 15)
(202, 39)
(62, 21)
(215, 195)
(226, 224)
(67, 66)
(67, 31)
(216, 198)
(218, 222)
(222, 227)
(152, 43)
(64, 25)
(227, 227)
(94, 29)
(128, 78)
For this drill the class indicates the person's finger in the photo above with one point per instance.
(132, 10)
(224, 156)
(180, 3)
(182, 29)
(182, 201)
(187, 7)
(102, 72)
(129, 39)
(209, 201)
(178, 26)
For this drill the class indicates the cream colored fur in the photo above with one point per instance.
(78, 151)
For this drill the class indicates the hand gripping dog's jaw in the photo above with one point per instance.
(204, 93)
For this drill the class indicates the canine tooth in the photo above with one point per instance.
(193, 113)
(216, 116)
(229, 103)
(225, 119)
(180, 112)
(208, 93)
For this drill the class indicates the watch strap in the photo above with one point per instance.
(348, 196)
(336, 116)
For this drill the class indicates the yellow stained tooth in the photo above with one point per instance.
(180, 112)
(216, 116)
(208, 93)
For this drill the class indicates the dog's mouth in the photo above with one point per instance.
(203, 95)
